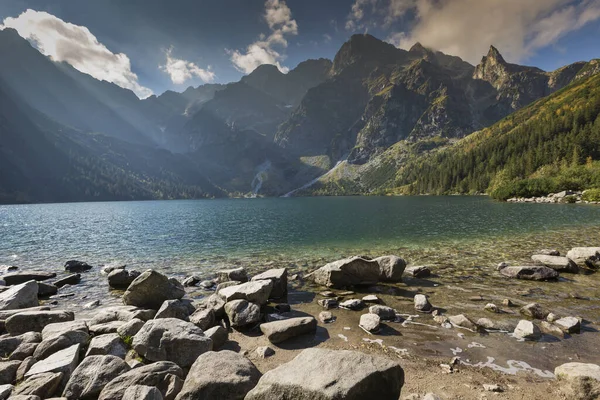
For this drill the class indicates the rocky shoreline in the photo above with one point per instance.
(163, 343)
(566, 196)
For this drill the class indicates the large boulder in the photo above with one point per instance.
(8, 344)
(531, 273)
(348, 272)
(331, 375)
(8, 371)
(56, 329)
(384, 312)
(256, 292)
(203, 319)
(235, 274)
(370, 323)
(151, 289)
(141, 392)
(171, 339)
(17, 278)
(64, 361)
(72, 279)
(109, 344)
(279, 331)
(164, 375)
(236, 377)
(20, 296)
(214, 302)
(391, 268)
(585, 256)
(527, 330)
(131, 328)
(562, 264)
(43, 385)
(90, 377)
(121, 313)
(218, 335)
(278, 277)
(242, 313)
(56, 343)
(180, 309)
(35, 321)
(75, 266)
(122, 278)
(579, 381)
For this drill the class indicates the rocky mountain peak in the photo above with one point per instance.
(495, 56)
(418, 48)
(492, 68)
(365, 48)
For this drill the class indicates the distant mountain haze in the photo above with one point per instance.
(354, 121)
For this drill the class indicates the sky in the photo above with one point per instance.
(150, 46)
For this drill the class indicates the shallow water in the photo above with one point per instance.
(461, 239)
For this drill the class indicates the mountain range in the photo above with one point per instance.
(366, 122)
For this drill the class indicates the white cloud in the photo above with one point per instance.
(181, 70)
(368, 13)
(467, 28)
(75, 44)
(279, 18)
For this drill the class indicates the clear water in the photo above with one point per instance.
(185, 234)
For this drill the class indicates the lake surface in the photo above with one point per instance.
(206, 232)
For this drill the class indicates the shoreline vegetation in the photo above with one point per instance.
(342, 330)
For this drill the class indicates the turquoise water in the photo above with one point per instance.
(206, 232)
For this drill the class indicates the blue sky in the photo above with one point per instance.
(155, 45)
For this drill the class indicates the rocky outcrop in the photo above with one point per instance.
(326, 374)
(236, 377)
(151, 289)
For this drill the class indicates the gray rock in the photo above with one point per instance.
(548, 252)
(203, 319)
(151, 289)
(348, 272)
(56, 343)
(77, 266)
(24, 397)
(531, 273)
(5, 391)
(140, 392)
(331, 375)
(218, 335)
(164, 375)
(20, 296)
(131, 328)
(207, 284)
(462, 321)
(562, 264)
(180, 309)
(371, 298)
(578, 370)
(43, 385)
(8, 344)
(391, 268)
(352, 304)
(370, 323)
(533, 310)
(4, 314)
(585, 256)
(419, 271)
(107, 345)
(328, 304)
(236, 377)
(171, 339)
(121, 313)
(552, 329)
(431, 396)
(59, 328)
(8, 371)
(122, 278)
(422, 303)
(493, 388)
(569, 324)
(384, 312)
(242, 313)
(46, 289)
(279, 279)
(326, 317)
(63, 361)
(257, 292)
(279, 331)
(23, 351)
(486, 323)
(264, 352)
(90, 377)
(191, 281)
(35, 321)
(527, 330)
(25, 366)
(72, 279)
(223, 285)
(107, 327)
(234, 274)
(17, 278)
(214, 302)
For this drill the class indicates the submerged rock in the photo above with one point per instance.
(557, 263)
(532, 273)
(77, 266)
(331, 375)
(151, 289)
(72, 279)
